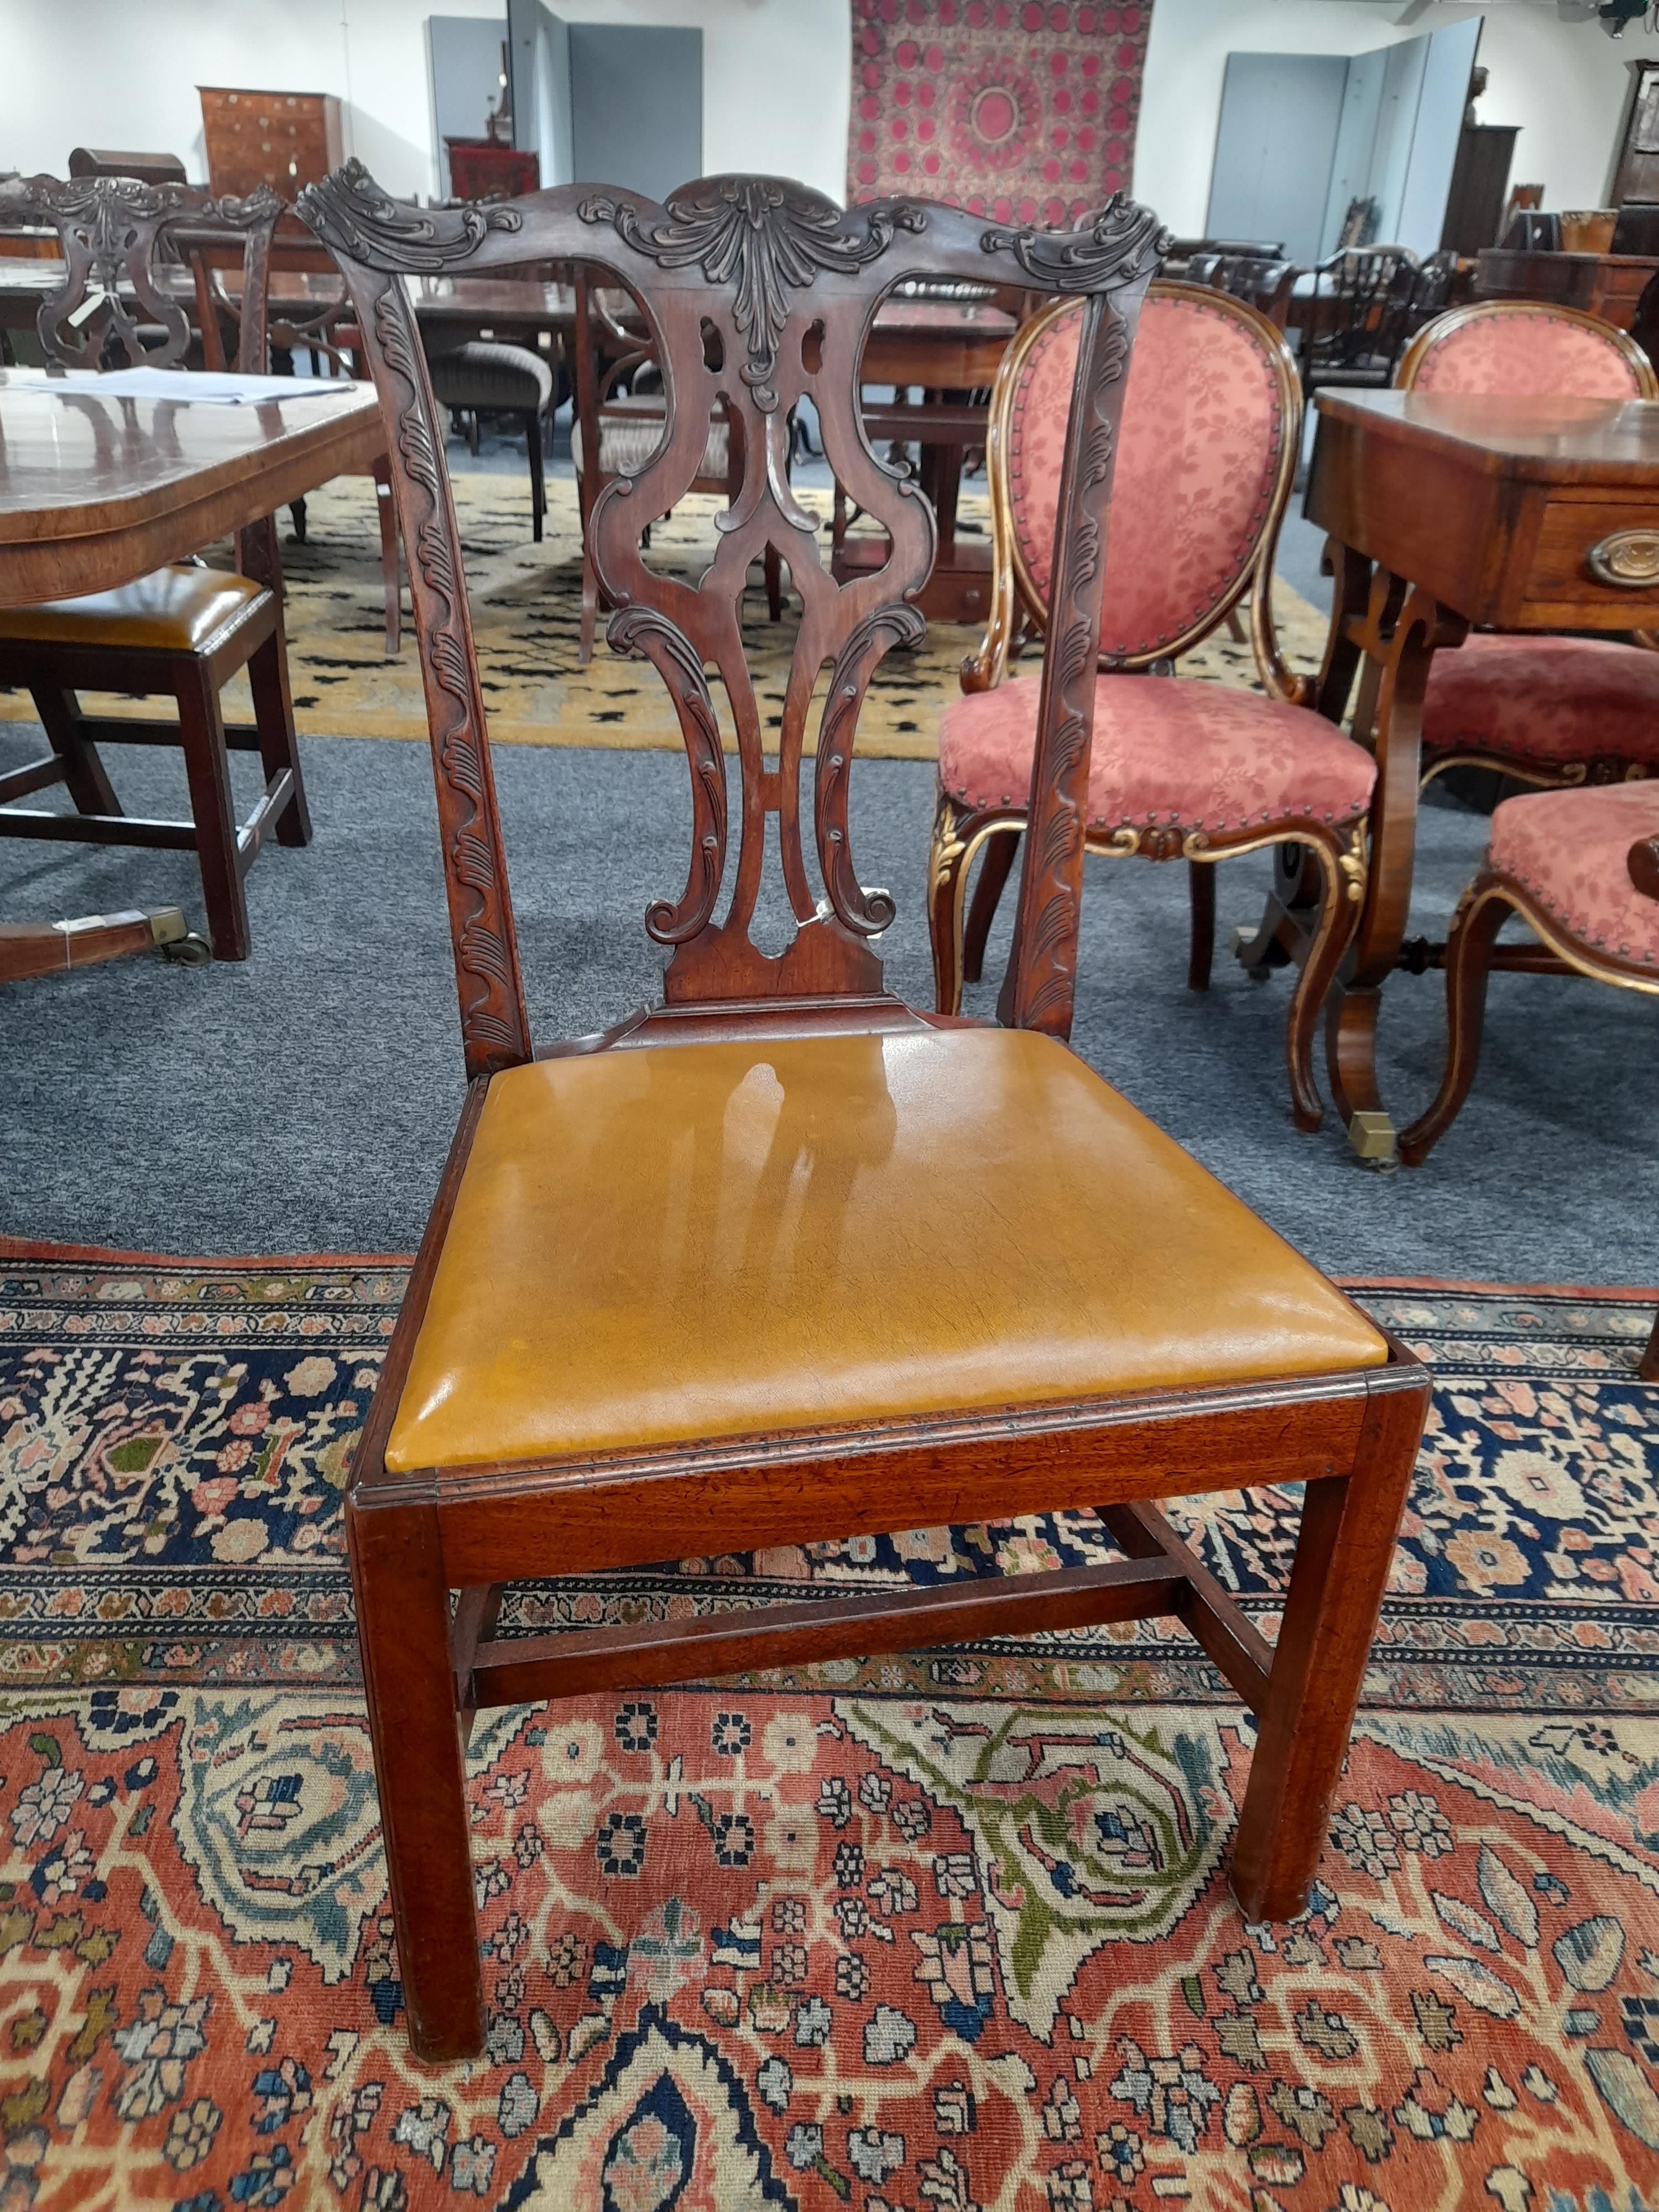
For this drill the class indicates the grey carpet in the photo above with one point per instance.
(303, 1101)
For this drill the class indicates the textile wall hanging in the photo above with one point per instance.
(1023, 110)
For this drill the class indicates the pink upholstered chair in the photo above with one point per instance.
(1180, 768)
(1549, 710)
(1581, 868)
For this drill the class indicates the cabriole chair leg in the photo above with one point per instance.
(1468, 963)
(1339, 917)
(998, 859)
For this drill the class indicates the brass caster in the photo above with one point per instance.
(1371, 1135)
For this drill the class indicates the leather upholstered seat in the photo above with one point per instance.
(175, 609)
(695, 1240)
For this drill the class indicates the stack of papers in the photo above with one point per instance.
(215, 389)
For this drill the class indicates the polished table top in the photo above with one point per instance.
(1546, 439)
(97, 486)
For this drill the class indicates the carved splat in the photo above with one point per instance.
(757, 293)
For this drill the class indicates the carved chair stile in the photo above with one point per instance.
(181, 631)
(802, 1350)
(1180, 769)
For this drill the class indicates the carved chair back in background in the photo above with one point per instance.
(574, 1380)
(1357, 316)
(1211, 428)
(182, 631)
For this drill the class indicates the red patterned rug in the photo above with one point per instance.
(1024, 110)
(944, 1931)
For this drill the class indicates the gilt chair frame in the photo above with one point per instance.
(781, 271)
(1018, 611)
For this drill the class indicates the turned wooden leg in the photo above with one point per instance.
(1468, 963)
(1349, 1524)
(533, 438)
(1001, 847)
(83, 772)
(1648, 1368)
(1333, 931)
(402, 1632)
(207, 769)
(590, 609)
(390, 577)
(1200, 886)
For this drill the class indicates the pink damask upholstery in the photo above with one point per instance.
(1527, 355)
(1550, 700)
(1167, 751)
(1203, 426)
(1570, 850)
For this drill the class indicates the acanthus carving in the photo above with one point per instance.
(352, 214)
(109, 228)
(765, 236)
(1123, 240)
(900, 625)
(1040, 987)
(493, 1025)
(672, 654)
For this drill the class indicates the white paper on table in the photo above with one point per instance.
(212, 388)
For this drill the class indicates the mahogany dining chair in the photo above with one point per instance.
(1180, 767)
(781, 1258)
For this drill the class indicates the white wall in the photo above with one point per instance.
(1563, 83)
(776, 76)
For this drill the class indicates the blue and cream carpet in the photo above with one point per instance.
(947, 1930)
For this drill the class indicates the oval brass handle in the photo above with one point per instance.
(1628, 559)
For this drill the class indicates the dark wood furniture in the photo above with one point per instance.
(951, 350)
(1239, 785)
(148, 168)
(1479, 187)
(1635, 172)
(948, 1372)
(178, 630)
(52, 948)
(487, 169)
(282, 139)
(1444, 512)
(1356, 316)
(1606, 285)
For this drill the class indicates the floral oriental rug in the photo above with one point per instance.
(943, 1932)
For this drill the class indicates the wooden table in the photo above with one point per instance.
(948, 347)
(97, 488)
(1445, 511)
(1608, 285)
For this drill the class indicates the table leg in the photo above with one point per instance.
(1399, 632)
(46, 948)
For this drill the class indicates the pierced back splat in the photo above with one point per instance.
(758, 293)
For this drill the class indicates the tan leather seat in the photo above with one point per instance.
(169, 611)
(692, 1240)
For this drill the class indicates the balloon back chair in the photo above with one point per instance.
(1548, 710)
(1181, 767)
(684, 1286)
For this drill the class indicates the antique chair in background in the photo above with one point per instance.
(1581, 868)
(480, 376)
(1212, 426)
(185, 631)
(617, 432)
(683, 1285)
(1549, 710)
(1355, 315)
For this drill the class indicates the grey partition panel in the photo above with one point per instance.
(1279, 117)
(464, 53)
(1440, 105)
(539, 45)
(636, 103)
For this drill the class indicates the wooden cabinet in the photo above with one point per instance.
(481, 169)
(1479, 185)
(1635, 173)
(285, 139)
